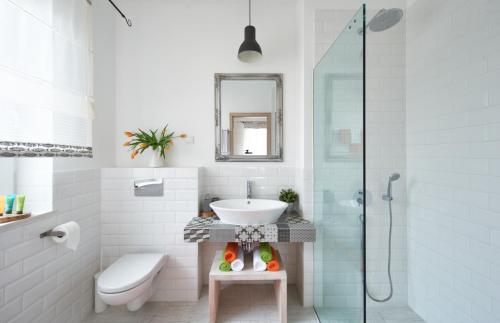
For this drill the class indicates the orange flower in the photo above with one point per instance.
(126, 144)
(183, 136)
(167, 149)
(143, 145)
(134, 153)
(129, 134)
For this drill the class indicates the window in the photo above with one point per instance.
(46, 97)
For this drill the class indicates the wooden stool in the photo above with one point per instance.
(216, 276)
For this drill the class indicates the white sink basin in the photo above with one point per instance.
(248, 211)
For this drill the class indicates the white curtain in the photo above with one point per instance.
(46, 59)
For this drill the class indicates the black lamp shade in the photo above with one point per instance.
(249, 50)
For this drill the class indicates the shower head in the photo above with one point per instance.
(385, 19)
(394, 177)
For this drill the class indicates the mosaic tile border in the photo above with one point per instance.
(288, 228)
(28, 149)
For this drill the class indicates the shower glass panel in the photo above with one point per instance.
(339, 177)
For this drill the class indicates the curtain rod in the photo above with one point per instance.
(127, 20)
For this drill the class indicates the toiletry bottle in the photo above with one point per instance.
(2, 204)
(9, 203)
(20, 204)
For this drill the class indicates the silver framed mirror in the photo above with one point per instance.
(248, 117)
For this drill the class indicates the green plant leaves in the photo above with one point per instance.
(142, 140)
(288, 196)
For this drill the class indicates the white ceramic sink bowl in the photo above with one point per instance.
(248, 211)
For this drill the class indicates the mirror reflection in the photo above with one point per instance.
(250, 133)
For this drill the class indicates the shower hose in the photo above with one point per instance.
(382, 300)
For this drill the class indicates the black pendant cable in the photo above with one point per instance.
(127, 20)
(249, 51)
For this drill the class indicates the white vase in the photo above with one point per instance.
(156, 160)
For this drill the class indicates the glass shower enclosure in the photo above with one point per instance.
(339, 177)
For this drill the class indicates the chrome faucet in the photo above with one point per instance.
(249, 189)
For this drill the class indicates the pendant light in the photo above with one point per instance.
(249, 51)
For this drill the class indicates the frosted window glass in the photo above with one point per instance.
(46, 72)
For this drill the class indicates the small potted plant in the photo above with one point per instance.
(160, 144)
(289, 196)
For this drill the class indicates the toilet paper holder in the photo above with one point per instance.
(51, 233)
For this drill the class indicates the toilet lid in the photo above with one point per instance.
(129, 271)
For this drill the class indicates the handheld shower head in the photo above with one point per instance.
(392, 178)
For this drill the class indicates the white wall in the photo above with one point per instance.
(44, 282)
(453, 122)
(41, 281)
(153, 224)
(386, 154)
(7, 172)
(165, 67)
(230, 182)
(104, 125)
(34, 178)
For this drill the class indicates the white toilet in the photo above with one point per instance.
(128, 281)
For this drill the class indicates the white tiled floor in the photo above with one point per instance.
(239, 303)
(387, 315)
(245, 304)
(394, 315)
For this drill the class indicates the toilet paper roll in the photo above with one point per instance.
(71, 237)
(239, 262)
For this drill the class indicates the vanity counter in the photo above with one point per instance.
(288, 228)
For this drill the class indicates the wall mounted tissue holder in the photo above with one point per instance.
(51, 233)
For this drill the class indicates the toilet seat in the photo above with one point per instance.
(128, 272)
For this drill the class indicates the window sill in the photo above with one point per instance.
(32, 219)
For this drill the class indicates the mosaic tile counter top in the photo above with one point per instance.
(288, 228)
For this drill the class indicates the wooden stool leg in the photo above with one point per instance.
(213, 299)
(281, 299)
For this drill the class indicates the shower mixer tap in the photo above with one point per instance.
(360, 199)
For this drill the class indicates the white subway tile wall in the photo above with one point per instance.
(230, 181)
(453, 126)
(385, 145)
(153, 224)
(305, 273)
(305, 251)
(45, 282)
